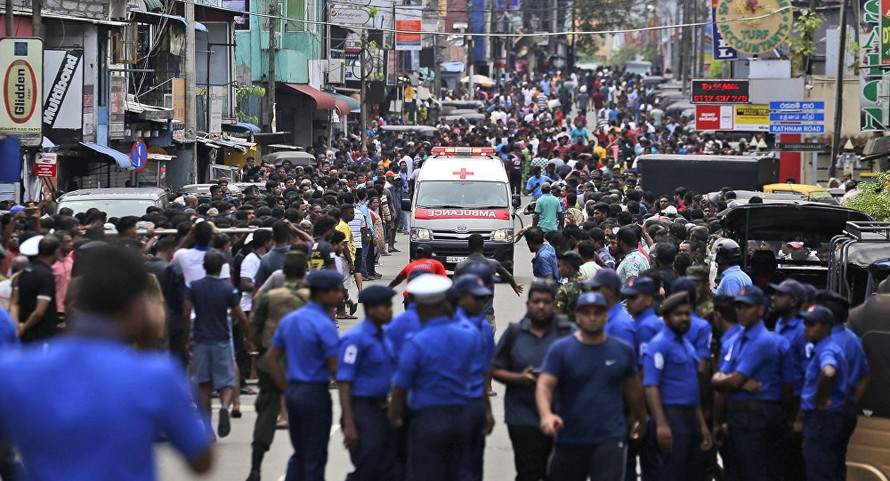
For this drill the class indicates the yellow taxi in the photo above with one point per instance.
(812, 192)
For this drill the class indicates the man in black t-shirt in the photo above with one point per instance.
(321, 251)
(35, 293)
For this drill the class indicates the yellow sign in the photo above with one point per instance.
(752, 118)
(754, 26)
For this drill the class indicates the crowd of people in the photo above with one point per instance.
(643, 343)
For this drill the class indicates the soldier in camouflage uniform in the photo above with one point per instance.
(270, 309)
(569, 268)
(704, 307)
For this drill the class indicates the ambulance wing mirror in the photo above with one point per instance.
(406, 205)
(517, 201)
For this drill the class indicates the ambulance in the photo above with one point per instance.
(462, 191)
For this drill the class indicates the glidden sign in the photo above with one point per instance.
(21, 64)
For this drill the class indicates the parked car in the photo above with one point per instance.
(116, 202)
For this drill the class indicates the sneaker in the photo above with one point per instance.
(224, 427)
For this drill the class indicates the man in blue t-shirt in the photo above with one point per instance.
(592, 375)
(535, 182)
(547, 210)
(213, 358)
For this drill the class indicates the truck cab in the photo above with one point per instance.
(462, 191)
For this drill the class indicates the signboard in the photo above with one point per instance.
(63, 96)
(751, 118)
(797, 129)
(117, 107)
(21, 64)
(722, 50)
(407, 23)
(713, 117)
(45, 164)
(796, 117)
(139, 156)
(392, 70)
(350, 16)
(873, 100)
(754, 27)
(796, 106)
(885, 32)
(217, 98)
(802, 147)
(89, 117)
(720, 91)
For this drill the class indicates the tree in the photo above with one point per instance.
(873, 198)
(619, 57)
(601, 15)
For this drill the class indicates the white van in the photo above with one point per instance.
(462, 191)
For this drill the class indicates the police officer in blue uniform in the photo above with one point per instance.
(619, 323)
(471, 296)
(640, 301)
(726, 324)
(700, 331)
(728, 256)
(859, 373)
(432, 380)
(406, 323)
(308, 337)
(822, 399)
(593, 375)
(64, 431)
(753, 378)
(787, 300)
(364, 375)
(678, 435)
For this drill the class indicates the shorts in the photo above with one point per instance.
(214, 362)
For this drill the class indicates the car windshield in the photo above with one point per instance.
(112, 207)
(462, 195)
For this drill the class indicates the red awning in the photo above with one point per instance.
(322, 100)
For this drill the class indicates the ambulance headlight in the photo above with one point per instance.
(418, 234)
(502, 235)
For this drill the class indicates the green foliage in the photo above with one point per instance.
(716, 69)
(873, 198)
(242, 96)
(803, 41)
(853, 49)
(601, 15)
(619, 57)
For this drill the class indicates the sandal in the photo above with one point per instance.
(281, 424)
(247, 391)
(353, 306)
(236, 413)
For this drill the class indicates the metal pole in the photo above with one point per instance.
(36, 18)
(10, 24)
(191, 107)
(362, 61)
(270, 84)
(839, 97)
(437, 69)
(327, 56)
(470, 70)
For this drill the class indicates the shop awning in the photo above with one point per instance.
(352, 105)
(155, 18)
(241, 126)
(122, 160)
(323, 101)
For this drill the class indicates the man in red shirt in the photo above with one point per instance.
(424, 262)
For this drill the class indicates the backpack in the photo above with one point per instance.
(563, 328)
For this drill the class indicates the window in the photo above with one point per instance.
(296, 10)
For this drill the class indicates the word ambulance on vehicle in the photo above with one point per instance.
(462, 191)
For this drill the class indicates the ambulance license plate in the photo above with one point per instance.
(454, 259)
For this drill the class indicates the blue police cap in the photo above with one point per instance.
(471, 284)
(640, 285)
(324, 279)
(791, 287)
(606, 277)
(751, 295)
(685, 285)
(481, 269)
(376, 295)
(819, 314)
(674, 301)
(591, 299)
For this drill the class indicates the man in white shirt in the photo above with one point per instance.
(191, 261)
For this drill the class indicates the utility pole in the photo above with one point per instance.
(470, 70)
(191, 107)
(437, 69)
(363, 60)
(327, 56)
(839, 89)
(270, 76)
(10, 23)
(36, 18)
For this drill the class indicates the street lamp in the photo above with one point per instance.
(847, 158)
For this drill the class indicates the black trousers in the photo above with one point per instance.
(531, 449)
(242, 357)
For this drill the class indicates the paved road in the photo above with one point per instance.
(233, 452)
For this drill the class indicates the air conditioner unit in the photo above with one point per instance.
(336, 71)
(168, 101)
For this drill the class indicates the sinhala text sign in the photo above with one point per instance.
(21, 64)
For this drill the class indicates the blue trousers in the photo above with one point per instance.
(685, 459)
(472, 465)
(851, 418)
(375, 456)
(437, 438)
(309, 422)
(757, 434)
(823, 434)
(602, 462)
